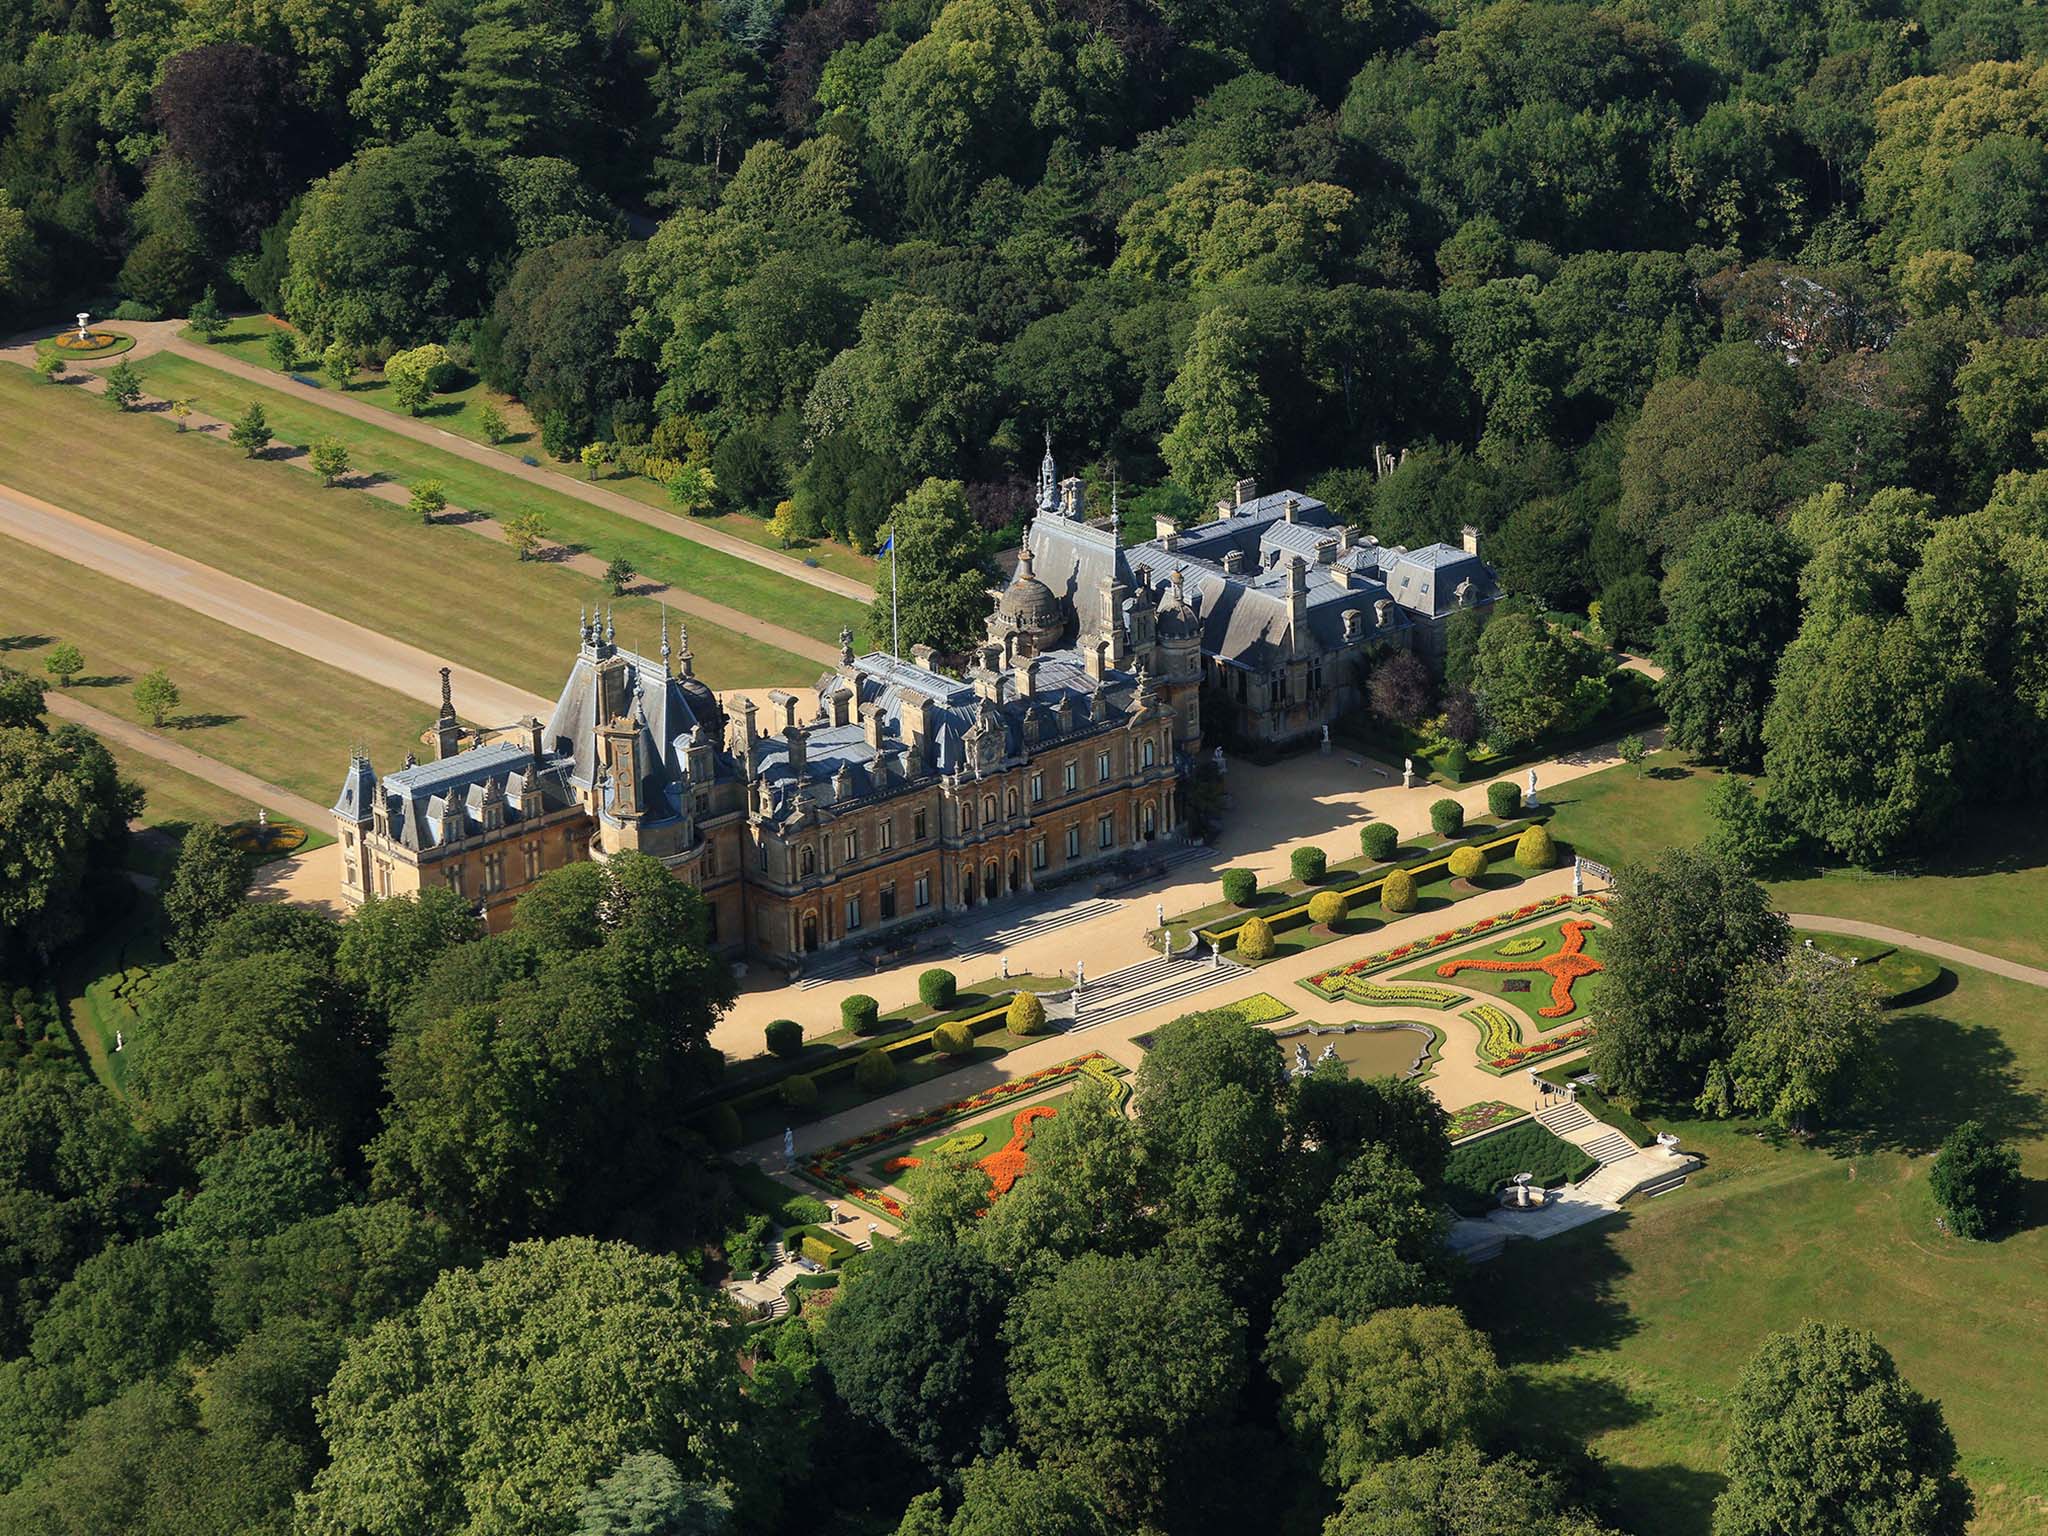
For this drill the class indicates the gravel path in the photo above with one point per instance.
(2012, 970)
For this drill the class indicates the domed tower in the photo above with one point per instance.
(1180, 652)
(1027, 610)
(704, 705)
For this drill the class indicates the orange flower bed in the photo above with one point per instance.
(1008, 1164)
(1563, 968)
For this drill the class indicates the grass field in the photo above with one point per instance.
(461, 410)
(350, 555)
(1986, 887)
(376, 450)
(1648, 1318)
(175, 801)
(243, 701)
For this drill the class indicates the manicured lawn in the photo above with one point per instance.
(1646, 1320)
(994, 1130)
(375, 450)
(460, 411)
(1985, 886)
(244, 701)
(1498, 984)
(351, 555)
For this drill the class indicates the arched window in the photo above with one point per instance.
(1011, 804)
(988, 808)
(1147, 753)
(807, 861)
(966, 815)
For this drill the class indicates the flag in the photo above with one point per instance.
(888, 544)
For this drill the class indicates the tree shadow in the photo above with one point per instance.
(199, 722)
(441, 408)
(360, 480)
(1665, 772)
(458, 517)
(280, 453)
(103, 680)
(25, 642)
(1670, 1499)
(556, 554)
(1578, 1277)
(1945, 1072)
(644, 588)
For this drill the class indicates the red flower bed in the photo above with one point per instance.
(1563, 968)
(1549, 1047)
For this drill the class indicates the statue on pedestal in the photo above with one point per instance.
(1407, 773)
(1529, 800)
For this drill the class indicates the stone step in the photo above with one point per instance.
(1611, 1148)
(1192, 979)
(1564, 1119)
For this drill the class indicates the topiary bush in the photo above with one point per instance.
(1456, 760)
(1240, 887)
(1308, 864)
(785, 1038)
(1377, 841)
(954, 1039)
(1504, 799)
(875, 1072)
(1977, 1182)
(1255, 939)
(799, 1092)
(937, 988)
(1026, 1015)
(1397, 891)
(1326, 908)
(1448, 817)
(723, 1127)
(1534, 849)
(861, 1014)
(1468, 863)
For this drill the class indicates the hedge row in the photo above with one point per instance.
(1225, 933)
(1479, 1167)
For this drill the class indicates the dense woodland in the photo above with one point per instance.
(1723, 321)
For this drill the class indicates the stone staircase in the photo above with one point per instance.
(1147, 984)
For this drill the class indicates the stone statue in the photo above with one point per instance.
(1329, 1053)
(1326, 739)
(1158, 914)
(1080, 975)
(1220, 768)
(1407, 773)
(1579, 878)
(1003, 966)
(788, 1147)
(1301, 1066)
(1529, 800)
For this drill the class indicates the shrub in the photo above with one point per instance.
(937, 988)
(1468, 863)
(1977, 1181)
(860, 1014)
(724, 1127)
(1448, 817)
(1397, 891)
(818, 1251)
(1326, 908)
(1377, 841)
(1026, 1015)
(1308, 864)
(1240, 887)
(799, 1092)
(1534, 849)
(1456, 760)
(805, 1210)
(785, 1038)
(954, 1039)
(1255, 939)
(1503, 798)
(746, 1245)
(875, 1072)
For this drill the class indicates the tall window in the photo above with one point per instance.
(1038, 853)
(807, 861)
(921, 891)
(917, 827)
(888, 833)
(852, 913)
(494, 872)
(710, 860)
(887, 901)
(1105, 832)
(1037, 788)
(852, 846)
(454, 877)
(988, 809)
(1073, 842)
(1010, 802)
(1073, 777)
(1102, 767)
(1146, 753)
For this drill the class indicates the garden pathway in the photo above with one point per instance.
(284, 621)
(486, 526)
(149, 743)
(2012, 970)
(153, 336)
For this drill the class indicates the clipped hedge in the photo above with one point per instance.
(875, 1072)
(1255, 939)
(1327, 908)
(860, 1014)
(724, 1127)
(1308, 864)
(954, 1039)
(937, 989)
(1377, 841)
(1240, 887)
(1468, 863)
(1448, 817)
(1504, 799)
(1479, 1167)
(785, 1038)
(1535, 849)
(1026, 1015)
(799, 1092)
(1397, 892)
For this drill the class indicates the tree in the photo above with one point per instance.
(390, 943)
(1407, 1379)
(1006, 1496)
(942, 578)
(1806, 1041)
(1826, 1438)
(338, 362)
(1630, 750)
(181, 412)
(64, 815)
(254, 1188)
(913, 1345)
(1085, 1193)
(1401, 688)
(646, 1496)
(128, 1311)
(1977, 1182)
(1025, 1015)
(156, 696)
(64, 662)
(415, 375)
(1397, 891)
(251, 432)
(50, 366)
(491, 422)
(330, 459)
(1734, 607)
(690, 487)
(283, 348)
(606, 1351)
(914, 389)
(204, 317)
(1378, 1238)
(342, 1271)
(1458, 1491)
(1113, 1361)
(1684, 928)
(1224, 428)
(124, 385)
(428, 501)
(594, 457)
(1532, 678)
(1699, 451)
(205, 886)
(619, 574)
(525, 532)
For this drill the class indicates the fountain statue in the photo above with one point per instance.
(83, 316)
(1301, 1066)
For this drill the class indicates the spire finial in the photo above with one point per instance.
(582, 626)
(610, 632)
(683, 646)
(665, 671)
(1048, 476)
(447, 694)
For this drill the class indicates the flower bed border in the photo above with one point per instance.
(1479, 1125)
(830, 1169)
